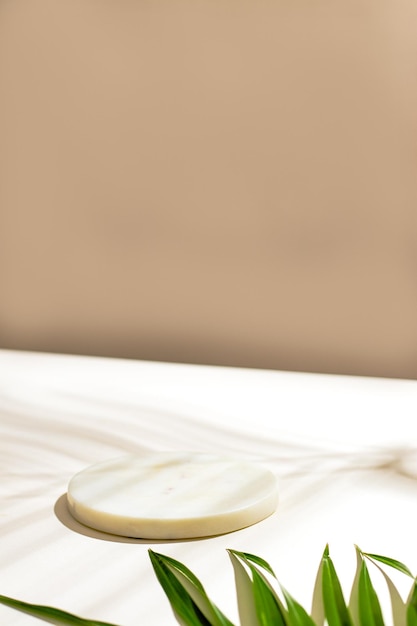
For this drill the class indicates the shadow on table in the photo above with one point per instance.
(64, 516)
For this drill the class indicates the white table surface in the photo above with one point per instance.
(344, 450)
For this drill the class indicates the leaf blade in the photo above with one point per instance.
(267, 607)
(297, 615)
(335, 608)
(290, 614)
(317, 605)
(391, 562)
(370, 613)
(398, 606)
(257, 560)
(244, 592)
(49, 613)
(412, 605)
(183, 607)
(354, 591)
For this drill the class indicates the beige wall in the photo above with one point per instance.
(213, 181)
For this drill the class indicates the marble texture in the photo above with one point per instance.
(172, 495)
(344, 451)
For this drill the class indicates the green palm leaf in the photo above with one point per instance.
(252, 558)
(49, 614)
(370, 613)
(335, 608)
(354, 592)
(412, 605)
(244, 591)
(268, 609)
(391, 562)
(398, 606)
(317, 605)
(187, 596)
(297, 615)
